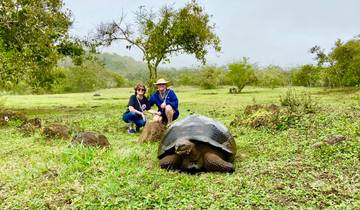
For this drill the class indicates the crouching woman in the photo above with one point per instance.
(137, 105)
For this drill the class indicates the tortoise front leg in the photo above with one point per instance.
(171, 162)
(212, 162)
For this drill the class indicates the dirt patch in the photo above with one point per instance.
(250, 109)
(153, 131)
(210, 93)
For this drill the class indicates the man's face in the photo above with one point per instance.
(161, 87)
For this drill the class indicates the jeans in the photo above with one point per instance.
(132, 117)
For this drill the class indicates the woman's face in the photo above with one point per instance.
(161, 87)
(140, 91)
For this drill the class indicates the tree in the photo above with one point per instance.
(241, 74)
(188, 76)
(346, 57)
(272, 76)
(341, 66)
(89, 76)
(209, 77)
(170, 32)
(306, 75)
(33, 37)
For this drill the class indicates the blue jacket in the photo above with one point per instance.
(170, 99)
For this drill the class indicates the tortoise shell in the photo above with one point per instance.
(202, 129)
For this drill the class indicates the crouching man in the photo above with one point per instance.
(166, 101)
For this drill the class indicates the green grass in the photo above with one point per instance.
(274, 168)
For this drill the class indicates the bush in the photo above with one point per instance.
(298, 103)
(119, 80)
(209, 77)
(294, 111)
(272, 76)
(188, 78)
(290, 99)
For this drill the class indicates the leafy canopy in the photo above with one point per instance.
(159, 36)
(210, 77)
(306, 75)
(33, 37)
(241, 74)
(341, 66)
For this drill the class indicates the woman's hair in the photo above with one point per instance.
(139, 85)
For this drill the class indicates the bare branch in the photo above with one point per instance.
(107, 33)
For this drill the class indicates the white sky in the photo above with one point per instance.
(278, 32)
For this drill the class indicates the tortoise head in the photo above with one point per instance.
(191, 161)
(184, 147)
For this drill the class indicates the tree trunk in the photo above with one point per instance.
(152, 79)
(240, 87)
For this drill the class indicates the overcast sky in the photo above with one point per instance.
(277, 32)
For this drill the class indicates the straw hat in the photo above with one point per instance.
(161, 81)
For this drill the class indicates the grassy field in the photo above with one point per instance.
(276, 167)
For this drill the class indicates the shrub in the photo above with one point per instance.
(295, 110)
(209, 77)
(272, 76)
(298, 103)
(119, 80)
(290, 99)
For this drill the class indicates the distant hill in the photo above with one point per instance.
(128, 67)
(124, 65)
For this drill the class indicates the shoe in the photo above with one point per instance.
(131, 131)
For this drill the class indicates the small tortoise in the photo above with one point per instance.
(197, 143)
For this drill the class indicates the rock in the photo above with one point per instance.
(36, 122)
(318, 145)
(7, 116)
(335, 139)
(29, 127)
(91, 139)
(153, 131)
(56, 130)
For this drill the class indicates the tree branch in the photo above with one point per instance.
(107, 33)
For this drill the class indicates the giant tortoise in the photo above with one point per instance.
(197, 143)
